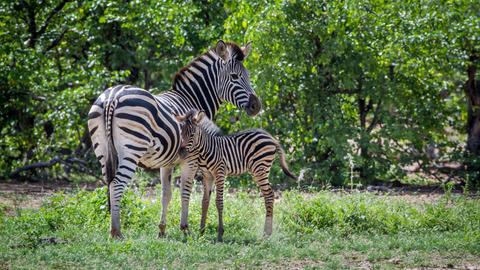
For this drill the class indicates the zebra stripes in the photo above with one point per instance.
(130, 127)
(252, 151)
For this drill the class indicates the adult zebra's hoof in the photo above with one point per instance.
(185, 229)
(266, 235)
(116, 234)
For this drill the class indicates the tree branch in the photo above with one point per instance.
(375, 117)
(34, 166)
(56, 41)
(340, 91)
(32, 24)
(369, 105)
(68, 162)
(56, 10)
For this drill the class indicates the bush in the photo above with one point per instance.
(376, 214)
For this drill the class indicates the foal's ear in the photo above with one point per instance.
(179, 118)
(197, 117)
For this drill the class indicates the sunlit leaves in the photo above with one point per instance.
(314, 61)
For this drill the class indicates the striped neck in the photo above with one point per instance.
(198, 83)
(208, 144)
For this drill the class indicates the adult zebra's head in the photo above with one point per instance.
(234, 80)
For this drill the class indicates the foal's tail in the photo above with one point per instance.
(283, 161)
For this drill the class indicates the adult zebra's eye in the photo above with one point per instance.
(234, 76)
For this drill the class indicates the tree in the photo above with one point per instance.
(367, 80)
(58, 56)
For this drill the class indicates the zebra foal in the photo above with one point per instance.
(251, 151)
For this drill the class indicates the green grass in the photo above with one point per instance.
(317, 230)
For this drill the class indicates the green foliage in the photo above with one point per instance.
(362, 78)
(349, 214)
(375, 81)
(50, 76)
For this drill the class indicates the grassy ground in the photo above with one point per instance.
(317, 230)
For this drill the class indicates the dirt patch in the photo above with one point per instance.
(293, 264)
(453, 261)
(43, 187)
(418, 198)
(26, 195)
(434, 261)
(11, 203)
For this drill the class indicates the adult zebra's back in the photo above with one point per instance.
(130, 127)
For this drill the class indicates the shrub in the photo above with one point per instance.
(376, 214)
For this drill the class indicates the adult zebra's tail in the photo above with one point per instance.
(111, 162)
(283, 161)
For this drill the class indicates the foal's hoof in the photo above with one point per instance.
(161, 232)
(220, 234)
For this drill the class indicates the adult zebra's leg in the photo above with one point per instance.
(188, 170)
(219, 182)
(166, 178)
(261, 178)
(125, 171)
(207, 192)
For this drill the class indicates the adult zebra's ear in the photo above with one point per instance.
(247, 49)
(197, 118)
(221, 50)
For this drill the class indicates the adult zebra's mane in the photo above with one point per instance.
(235, 51)
(210, 127)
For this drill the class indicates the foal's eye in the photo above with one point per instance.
(234, 76)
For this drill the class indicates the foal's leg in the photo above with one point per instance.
(207, 191)
(219, 182)
(261, 178)
(188, 170)
(166, 178)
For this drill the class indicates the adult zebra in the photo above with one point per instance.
(130, 127)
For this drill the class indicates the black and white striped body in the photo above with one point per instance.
(251, 151)
(130, 127)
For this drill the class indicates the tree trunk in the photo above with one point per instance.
(365, 170)
(472, 91)
(146, 75)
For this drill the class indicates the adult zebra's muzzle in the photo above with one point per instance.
(253, 106)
